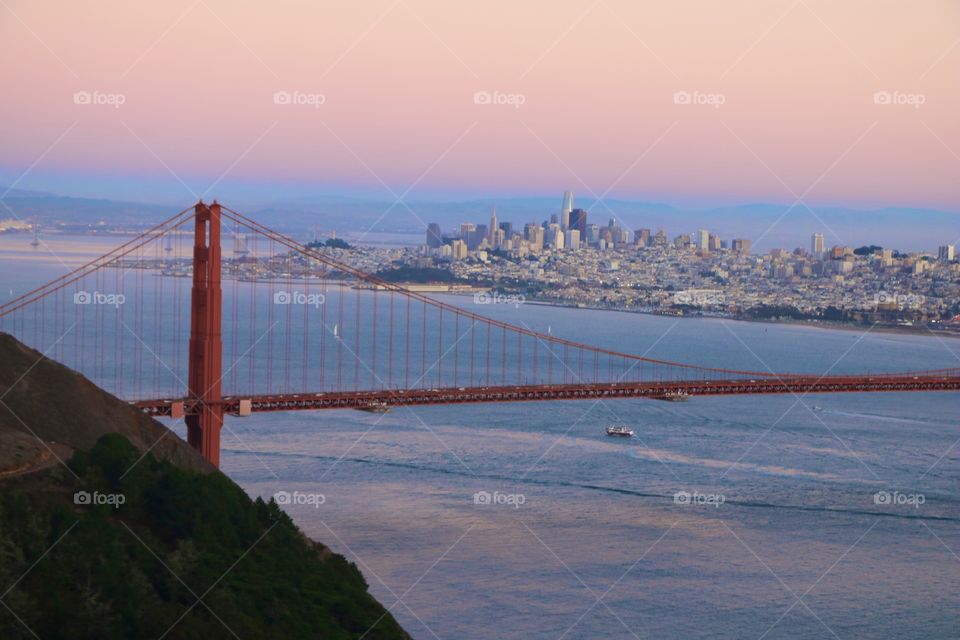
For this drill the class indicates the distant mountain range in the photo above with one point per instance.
(45, 208)
(767, 225)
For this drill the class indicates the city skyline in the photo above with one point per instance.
(570, 230)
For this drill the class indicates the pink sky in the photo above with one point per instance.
(797, 80)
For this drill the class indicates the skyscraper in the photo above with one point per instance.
(478, 237)
(555, 237)
(578, 220)
(565, 210)
(434, 239)
(592, 231)
(536, 238)
(816, 245)
(494, 227)
(946, 253)
(703, 239)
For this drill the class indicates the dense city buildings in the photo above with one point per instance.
(613, 267)
(565, 260)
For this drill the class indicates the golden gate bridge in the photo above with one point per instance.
(301, 329)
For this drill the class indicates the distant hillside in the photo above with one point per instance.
(115, 544)
(46, 208)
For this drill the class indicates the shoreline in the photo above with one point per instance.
(812, 324)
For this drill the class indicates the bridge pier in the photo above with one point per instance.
(205, 419)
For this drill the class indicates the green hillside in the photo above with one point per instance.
(138, 569)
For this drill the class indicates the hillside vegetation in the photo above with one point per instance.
(118, 544)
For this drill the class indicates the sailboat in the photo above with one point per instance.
(36, 236)
(336, 331)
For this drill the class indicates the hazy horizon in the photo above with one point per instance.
(765, 223)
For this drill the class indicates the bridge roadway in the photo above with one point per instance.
(243, 405)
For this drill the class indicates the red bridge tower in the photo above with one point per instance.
(204, 417)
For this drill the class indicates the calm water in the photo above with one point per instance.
(783, 537)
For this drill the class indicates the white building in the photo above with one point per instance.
(703, 239)
(459, 249)
(816, 245)
(565, 210)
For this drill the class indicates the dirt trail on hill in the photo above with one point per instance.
(21, 454)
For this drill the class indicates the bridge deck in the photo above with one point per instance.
(527, 393)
